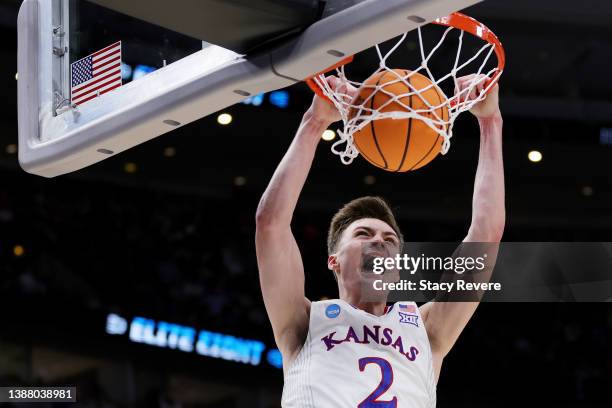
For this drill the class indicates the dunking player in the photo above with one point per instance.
(348, 352)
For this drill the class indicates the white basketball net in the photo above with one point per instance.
(431, 115)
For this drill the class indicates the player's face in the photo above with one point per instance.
(363, 240)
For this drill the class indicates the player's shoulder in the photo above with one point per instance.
(331, 309)
(325, 303)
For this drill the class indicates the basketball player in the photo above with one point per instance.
(346, 352)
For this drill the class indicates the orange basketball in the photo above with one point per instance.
(399, 144)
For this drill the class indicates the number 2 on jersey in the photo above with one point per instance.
(387, 379)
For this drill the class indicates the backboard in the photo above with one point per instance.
(99, 77)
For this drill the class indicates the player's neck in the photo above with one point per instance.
(374, 308)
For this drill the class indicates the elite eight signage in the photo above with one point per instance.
(190, 340)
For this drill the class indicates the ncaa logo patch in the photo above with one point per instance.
(409, 318)
(332, 311)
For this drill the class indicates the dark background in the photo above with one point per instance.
(174, 239)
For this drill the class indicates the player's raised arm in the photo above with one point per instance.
(281, 272)
(488, 203)
(446, 320)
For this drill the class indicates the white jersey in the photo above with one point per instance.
(353, 359)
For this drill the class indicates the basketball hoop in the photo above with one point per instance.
(356, 114)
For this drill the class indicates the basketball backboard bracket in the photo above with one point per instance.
(55, 138)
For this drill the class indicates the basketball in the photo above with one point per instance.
(399, 145)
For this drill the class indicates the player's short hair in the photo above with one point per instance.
(364, 207)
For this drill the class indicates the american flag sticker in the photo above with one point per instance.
(96, 74)
(408, 308)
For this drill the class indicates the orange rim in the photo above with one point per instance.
(316, 88)
(455, 20)
(475, 27)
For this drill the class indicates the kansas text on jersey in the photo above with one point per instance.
(353, 359)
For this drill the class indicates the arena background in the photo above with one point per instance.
(165, 231)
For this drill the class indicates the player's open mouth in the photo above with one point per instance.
(367, 261)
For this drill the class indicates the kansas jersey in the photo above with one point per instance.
(353, 359)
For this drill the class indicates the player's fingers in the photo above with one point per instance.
(332, 81)
(340, 88)
(466, 78)
(351, 91)
(460, 86)
(337, 84)
(480, 87)
(473, 93)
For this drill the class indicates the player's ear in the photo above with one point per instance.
(332, 262)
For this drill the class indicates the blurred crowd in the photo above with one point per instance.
(129, 251)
